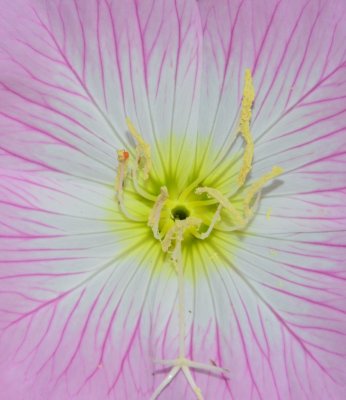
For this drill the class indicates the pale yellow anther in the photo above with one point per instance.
(244, 127)
(183, 225)
(143, 151)
(247, 218)
(123, 155)
(155, 214)
(167, 241)
(214, 193)
(176, 232)
(256, 186)
(122, 172)
(216, 218)
(122, 169)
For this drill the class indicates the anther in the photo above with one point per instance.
(244, 127)
(122, 172)
(223, 200)
(123, 157)
(256, 187)
(143, 151)
(216, 218)
(155, 214)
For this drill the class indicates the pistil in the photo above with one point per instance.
(182, 362)
(155, 214)
(171, 220)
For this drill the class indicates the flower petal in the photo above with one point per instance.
(280, 299)
(314, 211)
(296, 53)
(72, 71)
(300, 281)
(274, 316)
(75, 294)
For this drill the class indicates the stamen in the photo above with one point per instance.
(244, 127)
(143, 151)
(123, 159)
(155, 215)
(169, 237)
(223, 201)
(176, 233)
(138, 188)
(256, 186)
(246, 220)
(216, 218)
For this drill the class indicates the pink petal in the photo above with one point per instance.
(289, 302)
(272, 311)
(269, 307)
(75, 314)
(70, 324)
(280, 301)
(295, 50)
(72, 71)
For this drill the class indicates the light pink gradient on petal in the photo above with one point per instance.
(72, 71)
(75, 314)
(70, 324)
(280, 301)
(296, 52)
(80, 322)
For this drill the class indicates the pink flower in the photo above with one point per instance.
(206, 259)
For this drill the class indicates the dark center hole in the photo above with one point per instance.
(180, 212)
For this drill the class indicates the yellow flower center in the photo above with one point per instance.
(203, 208)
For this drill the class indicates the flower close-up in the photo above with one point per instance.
(172, 200)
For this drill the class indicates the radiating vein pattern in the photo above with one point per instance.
(91, 296)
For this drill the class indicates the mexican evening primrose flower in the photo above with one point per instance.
(172, 199)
